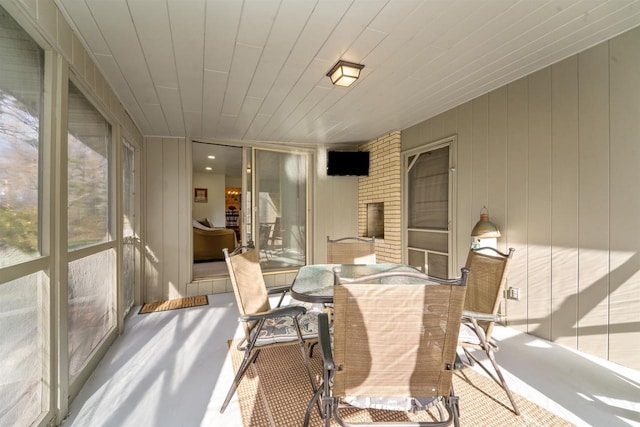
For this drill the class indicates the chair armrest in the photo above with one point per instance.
(324, 340)
(467, 314)
(289, 310)
(278, 289)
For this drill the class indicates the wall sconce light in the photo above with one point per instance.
(344, 73)
(484, 229)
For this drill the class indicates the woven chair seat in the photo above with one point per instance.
(282, 329)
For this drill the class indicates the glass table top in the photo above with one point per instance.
(314, 283)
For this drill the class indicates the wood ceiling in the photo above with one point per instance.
(256, 69)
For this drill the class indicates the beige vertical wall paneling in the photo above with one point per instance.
(624, 285)
(336, 211)
(496, 165)
(515, 230)
(184, 219)
(593, 196)
(564, 201)
(539, 207)
(479, 150)
(154, 253)
(570, 196)
(170, 217)
(497, 161)
(464, 171)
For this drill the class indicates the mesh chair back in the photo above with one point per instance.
(351, 250)
(395, 340)
(248, 284)
(487, 278)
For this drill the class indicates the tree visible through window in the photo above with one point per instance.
(21, 87)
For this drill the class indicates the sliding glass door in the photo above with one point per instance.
(129, 218)
(280, 226)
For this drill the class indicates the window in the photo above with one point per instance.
(21, 94)
(92, 271)
(89, 149)
(24, 342)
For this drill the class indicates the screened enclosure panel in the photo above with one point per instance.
(428, 182)
(428, 189)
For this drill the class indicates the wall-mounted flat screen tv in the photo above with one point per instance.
(345, 163)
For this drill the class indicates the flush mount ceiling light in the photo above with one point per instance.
(344, 73)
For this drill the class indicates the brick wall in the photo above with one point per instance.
(383, 185)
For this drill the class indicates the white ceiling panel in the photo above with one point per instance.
(245, 60)
(151, 20)
(258, 123)
(155, 116)
(220, 33)
(120, 86)
(249, 110)
(292, 16)
(256, 69)
(325, 16)
(85, 25)
(187, 20)
(193, 123)
(116, 26)
(212, 98)
(352, 24)
(172, 108)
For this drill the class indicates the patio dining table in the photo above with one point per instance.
(314, 283)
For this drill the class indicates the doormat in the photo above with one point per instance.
(173, 304)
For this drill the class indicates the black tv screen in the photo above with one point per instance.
(345, 163)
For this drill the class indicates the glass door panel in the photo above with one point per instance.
(281, 216)
(128, 226)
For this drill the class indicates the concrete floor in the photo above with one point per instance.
(173, 369)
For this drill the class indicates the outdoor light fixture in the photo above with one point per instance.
(484, 233)
(485, 228)
(344, 73)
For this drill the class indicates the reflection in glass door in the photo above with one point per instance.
(281, 216)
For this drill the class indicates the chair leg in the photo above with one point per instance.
(502, 382)
(486, 347)
(314, 399)
(247, 360)
(304, 354)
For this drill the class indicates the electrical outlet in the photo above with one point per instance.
(513, 293)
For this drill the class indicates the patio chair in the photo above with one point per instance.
(264, 326)
(487, 277)
(351, 250)
(394, 347)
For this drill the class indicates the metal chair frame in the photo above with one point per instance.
(254, 322)
(336, 253)
(481, 322)
(331, 404)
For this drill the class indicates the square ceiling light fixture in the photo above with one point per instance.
(344, 73)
